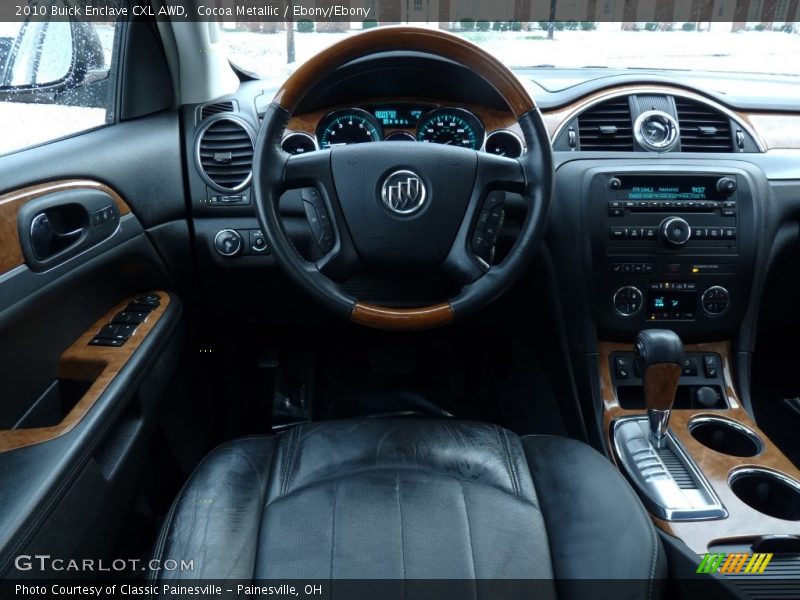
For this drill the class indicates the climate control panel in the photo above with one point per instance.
(671, 301)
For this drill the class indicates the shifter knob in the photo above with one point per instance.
(658, 354)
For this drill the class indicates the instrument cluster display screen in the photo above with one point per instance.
(402, 116)
(644, 187)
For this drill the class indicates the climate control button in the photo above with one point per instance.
(627, 301)
(715, 300)
(675, 231)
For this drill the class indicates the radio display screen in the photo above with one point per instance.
(671, 302)
(644, 187)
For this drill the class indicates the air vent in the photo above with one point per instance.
(607, 126)
(224, 150)
(209, 110)
(703, 127)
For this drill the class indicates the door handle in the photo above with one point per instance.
(58, 226)
(47, 240)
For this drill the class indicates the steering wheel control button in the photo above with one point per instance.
(715, 300)
(488, 226)
(318, 219)
(228, 243)
(675, 231)
(403, 192)
(627, 301)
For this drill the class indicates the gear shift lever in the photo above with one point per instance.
(658, 356)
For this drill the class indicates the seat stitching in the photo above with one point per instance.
(653, 560)
(507, 452)
(333, 523)
(469, 537)
(400, 516)
(378, 468)
(288, 461)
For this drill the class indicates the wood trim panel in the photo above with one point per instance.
(742, 521)
(776, 130)
(96, 364)
(408, 39)
(491, 118)
(10, 203)
(402, 319)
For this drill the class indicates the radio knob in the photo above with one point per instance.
(675, 231)
(726, 185)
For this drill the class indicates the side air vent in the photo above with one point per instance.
(606, 126)
(703, 128)
(209, 110)
(224, 153)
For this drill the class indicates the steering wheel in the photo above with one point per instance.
(400, 206)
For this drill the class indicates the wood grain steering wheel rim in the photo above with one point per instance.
(271, 165)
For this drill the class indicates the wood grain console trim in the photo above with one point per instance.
(408, 39)
(96, 364)
(743, 521)
(778, 131)
(10, 203)
(402, 319)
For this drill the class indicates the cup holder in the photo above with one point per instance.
(725, 436)
(768, 492)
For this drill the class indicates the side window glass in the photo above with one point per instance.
(56, 76)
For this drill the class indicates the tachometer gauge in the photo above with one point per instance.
(453, 126)
(348, 126)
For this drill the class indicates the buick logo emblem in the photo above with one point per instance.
(403, 192)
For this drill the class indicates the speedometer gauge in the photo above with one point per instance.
(348, 126)
(453, 126)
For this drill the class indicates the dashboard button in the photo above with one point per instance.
(228, 243)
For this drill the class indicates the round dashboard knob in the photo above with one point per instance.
(726, 185)
(627, 301)
(675, 231)
(228, 242)
(715, 300)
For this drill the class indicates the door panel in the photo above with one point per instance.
(77, 419)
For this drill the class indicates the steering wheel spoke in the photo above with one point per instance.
(474, 247)
(312, 174)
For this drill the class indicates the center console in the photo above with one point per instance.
(716, 481)
(673, 248)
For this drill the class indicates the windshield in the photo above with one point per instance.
(270, 50)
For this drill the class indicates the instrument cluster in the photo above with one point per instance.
(407, 122)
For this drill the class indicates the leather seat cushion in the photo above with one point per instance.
(405, 499)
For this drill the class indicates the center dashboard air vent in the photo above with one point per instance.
(703, 128)
(607, 126)
(224, 150)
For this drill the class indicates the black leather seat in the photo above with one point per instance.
(407, 498)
